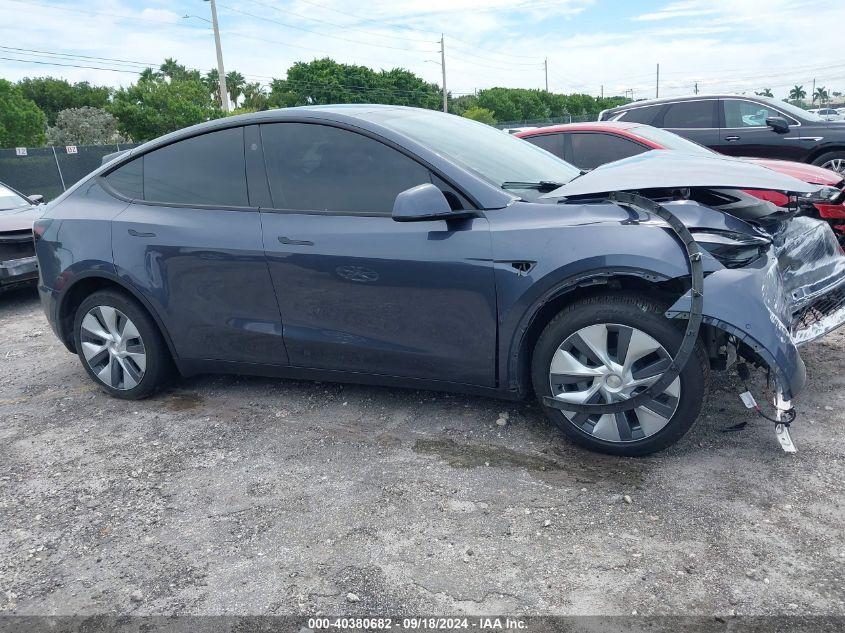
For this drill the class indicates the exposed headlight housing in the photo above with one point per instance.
(732, 250)
(825, 195)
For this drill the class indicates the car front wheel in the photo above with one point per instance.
(609, 348)
(120, 345)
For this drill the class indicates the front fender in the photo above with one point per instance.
(750, 304)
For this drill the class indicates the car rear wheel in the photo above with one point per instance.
(609, 348)
(834, 161)
(120, 346)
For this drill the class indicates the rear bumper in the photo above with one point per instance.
(15, 271)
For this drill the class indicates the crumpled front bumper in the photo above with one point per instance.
(812, 266)
(16, 271)
(790, 296)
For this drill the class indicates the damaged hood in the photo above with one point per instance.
(668, 169)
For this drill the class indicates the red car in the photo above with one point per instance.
(588, 145)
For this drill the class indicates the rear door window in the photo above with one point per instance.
(550, 142)
(691, 115)
(202, 170)
(314, 167)
(588, 150)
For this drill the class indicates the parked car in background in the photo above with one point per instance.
(407, 247)
(738, 125)
(828, 114)
(18, 264)
(588, 145)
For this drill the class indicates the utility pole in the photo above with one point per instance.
(221, 73)
(657, 85)
(443, 66)
(696, 87)
(813, 94)
(602, 91)
(546, 66)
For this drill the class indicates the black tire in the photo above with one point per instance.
(158, 362)
(828, 157)
(646, 315)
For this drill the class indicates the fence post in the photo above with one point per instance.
(59, 167)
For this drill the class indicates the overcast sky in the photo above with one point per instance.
(724, 45)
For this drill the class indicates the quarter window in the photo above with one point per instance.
(314, 167)
(691, 114)
(643, 115)
(591, 149)
(128, 179)
(204, 170)
(740, 113)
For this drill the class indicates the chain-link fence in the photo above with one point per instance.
(558, 120)
(50, 170)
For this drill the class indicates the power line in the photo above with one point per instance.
(306, 30)
(342, 26)
(134, 18)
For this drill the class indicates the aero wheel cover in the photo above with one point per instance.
(113, 348)
(609, 362)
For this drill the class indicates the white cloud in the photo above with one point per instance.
(736, 45)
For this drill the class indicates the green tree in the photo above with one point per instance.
(235, 83)
(514, 104)
(84, 126)
(797, 93)
(255, 97)
(821, 95)
(211, 79)
(156, 106)
(461, 104)
(325, 81)
(482, 115)
(765, 92)
(175, 71)
(54, 95)
(22, 123)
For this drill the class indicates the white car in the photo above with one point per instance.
(829, 114)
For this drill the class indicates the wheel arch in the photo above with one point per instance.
(518, 364)
(818, 153)
(83, 286)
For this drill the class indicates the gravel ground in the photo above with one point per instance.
(256, 496)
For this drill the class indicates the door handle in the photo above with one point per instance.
(731, 138)
(135, 233)
(290, 242)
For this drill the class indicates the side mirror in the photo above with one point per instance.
(425, 203)
(37, 198)
(778, 124)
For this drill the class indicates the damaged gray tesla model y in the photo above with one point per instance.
(406, 247)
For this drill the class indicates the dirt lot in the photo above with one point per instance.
(256, 496)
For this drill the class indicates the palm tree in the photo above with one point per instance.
(149, 74)
(255, 97)
(797, 93)
(212, 83)
(765, 92)
(821, 95)
(235, 83)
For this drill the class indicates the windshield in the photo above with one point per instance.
(669, 140)
(11, 200)
(495, 156)
(795, 111)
